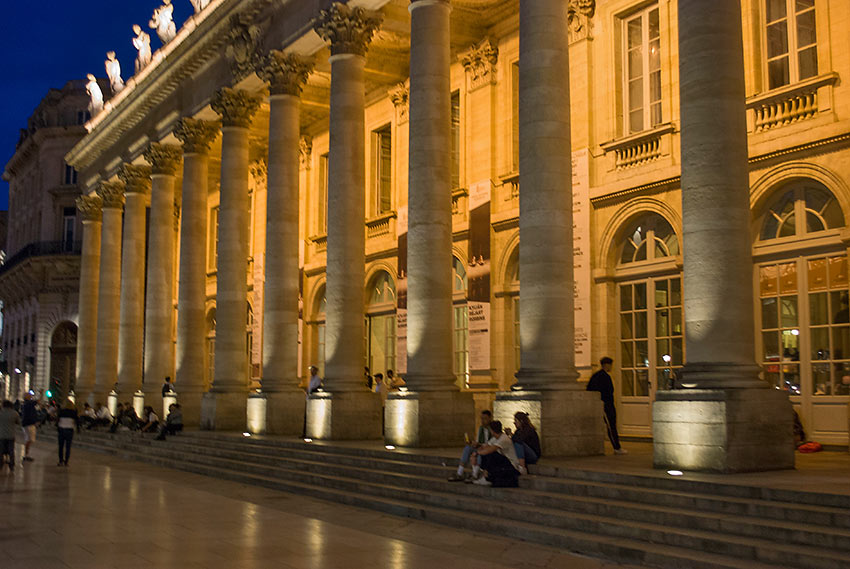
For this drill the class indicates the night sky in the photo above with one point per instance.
(45, 44)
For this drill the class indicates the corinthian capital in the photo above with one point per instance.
(163, 158)
(579, 13)
(90, 207)
(111, 194)
(285, 73)
(349, 30)
(480, 63)
(137, 179)
(235, 107)
(196, 135)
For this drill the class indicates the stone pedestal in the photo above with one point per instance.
(139, 402)
(285, 412)
(223, 411)
(570, 422)
(347, 415)
(256, 409)
(167, 401)
(428, 418)
(112, 402)
(190, 404)
(722, 430)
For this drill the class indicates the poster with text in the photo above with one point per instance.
(581, 255)
(401, 293)
(478, 275)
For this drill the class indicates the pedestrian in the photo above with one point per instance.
(9, 423)
(66, 425)
(167, 387)
(601, 382)
(29, 422)
(313, 385)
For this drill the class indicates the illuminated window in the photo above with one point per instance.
(382, 180)
(649, 238)
(804, 207)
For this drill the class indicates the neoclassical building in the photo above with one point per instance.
(345, 184)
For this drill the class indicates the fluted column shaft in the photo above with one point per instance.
(159, 308)
(91, 212)
(429, 245)
(231, 358)
(286, 74)
(546, 215)
(109, 290)
(196, 136)
(131, 319)
(717, 288)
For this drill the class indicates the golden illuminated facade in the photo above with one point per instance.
(318, 193)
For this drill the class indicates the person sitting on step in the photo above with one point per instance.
(103, 418)
(151, 420)
(482, 437)
(116, 420)
(88, 417)
(173, 423)
(526, 442)
(498, 458)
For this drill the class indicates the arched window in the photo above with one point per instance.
(802, 208)
(648, 238)
(381, 323)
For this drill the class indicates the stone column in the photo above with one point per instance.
(354, 412)
(570, 418)
(286, 75)
(196, 136)
(90, 208)
(109, 291)
(224, 406)
(727, 419)
(433, 411)
(137, 184)
(159, 308)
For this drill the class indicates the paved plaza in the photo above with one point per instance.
(103, 512)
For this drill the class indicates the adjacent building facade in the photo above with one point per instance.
(290, 222)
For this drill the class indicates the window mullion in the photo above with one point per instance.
(793, 72)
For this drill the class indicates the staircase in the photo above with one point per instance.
(628, 518)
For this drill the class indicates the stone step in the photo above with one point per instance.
(432, 478)
(618, 549)
(697, 497)
(425, 491)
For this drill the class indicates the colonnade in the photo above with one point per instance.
(714, 163)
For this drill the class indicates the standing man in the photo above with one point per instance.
(29, 422)
(166, 387)
(312, 386)
(601, 382)
(9, 421)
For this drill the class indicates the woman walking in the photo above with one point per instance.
(66, 423)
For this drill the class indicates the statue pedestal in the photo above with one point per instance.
(224, 411)
(723, 430)
(428, 418)
(344, 415)
(569, 422)
(112, 402)
(167, 401)
(139, 403)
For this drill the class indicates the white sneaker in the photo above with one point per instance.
(620, 451)
(482, 481)
(522, 470)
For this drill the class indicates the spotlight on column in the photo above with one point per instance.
(675, 473)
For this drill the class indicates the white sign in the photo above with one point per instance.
(581, 255)
(479, 335)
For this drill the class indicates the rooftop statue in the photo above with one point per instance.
(162, 22)
(113, 71)
(93, 89)
(142, 42)
(199, 5)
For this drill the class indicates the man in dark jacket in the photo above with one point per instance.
(601, 382)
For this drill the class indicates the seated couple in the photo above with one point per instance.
(501, 454)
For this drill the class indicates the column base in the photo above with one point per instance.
(223, 411)
(167, 400)
(344, 415)
(428, 418)
(570, 423)
(285, 412)
(190, 404)
(112, 402)
(723, 430)
(139, 403)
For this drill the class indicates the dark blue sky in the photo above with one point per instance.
(44, 44)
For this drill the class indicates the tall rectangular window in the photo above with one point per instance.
(515, 116)
(69, 177)
(212, 258)
(455, 140)
(322, 210)
(791, 41)
(382, 163)
(69, 219)
(461, 344)
(642, 70)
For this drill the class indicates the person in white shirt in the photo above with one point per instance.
(313, 386)
(151, 420)
(498, 458)
(102, 415)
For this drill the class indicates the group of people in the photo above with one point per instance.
(382, 385)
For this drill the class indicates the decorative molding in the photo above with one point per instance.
(243, 43)
(90, 207)
(111, 194)
(137, 179)
(259, 173)
(348, 29)
(176, 215)
(480, 64)
(580, 13)
(235, 107)
(286, 73)
(163, 158)
(640, 148)
(792, 103)
(400, 96)
(196, 135)
(305, 150)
